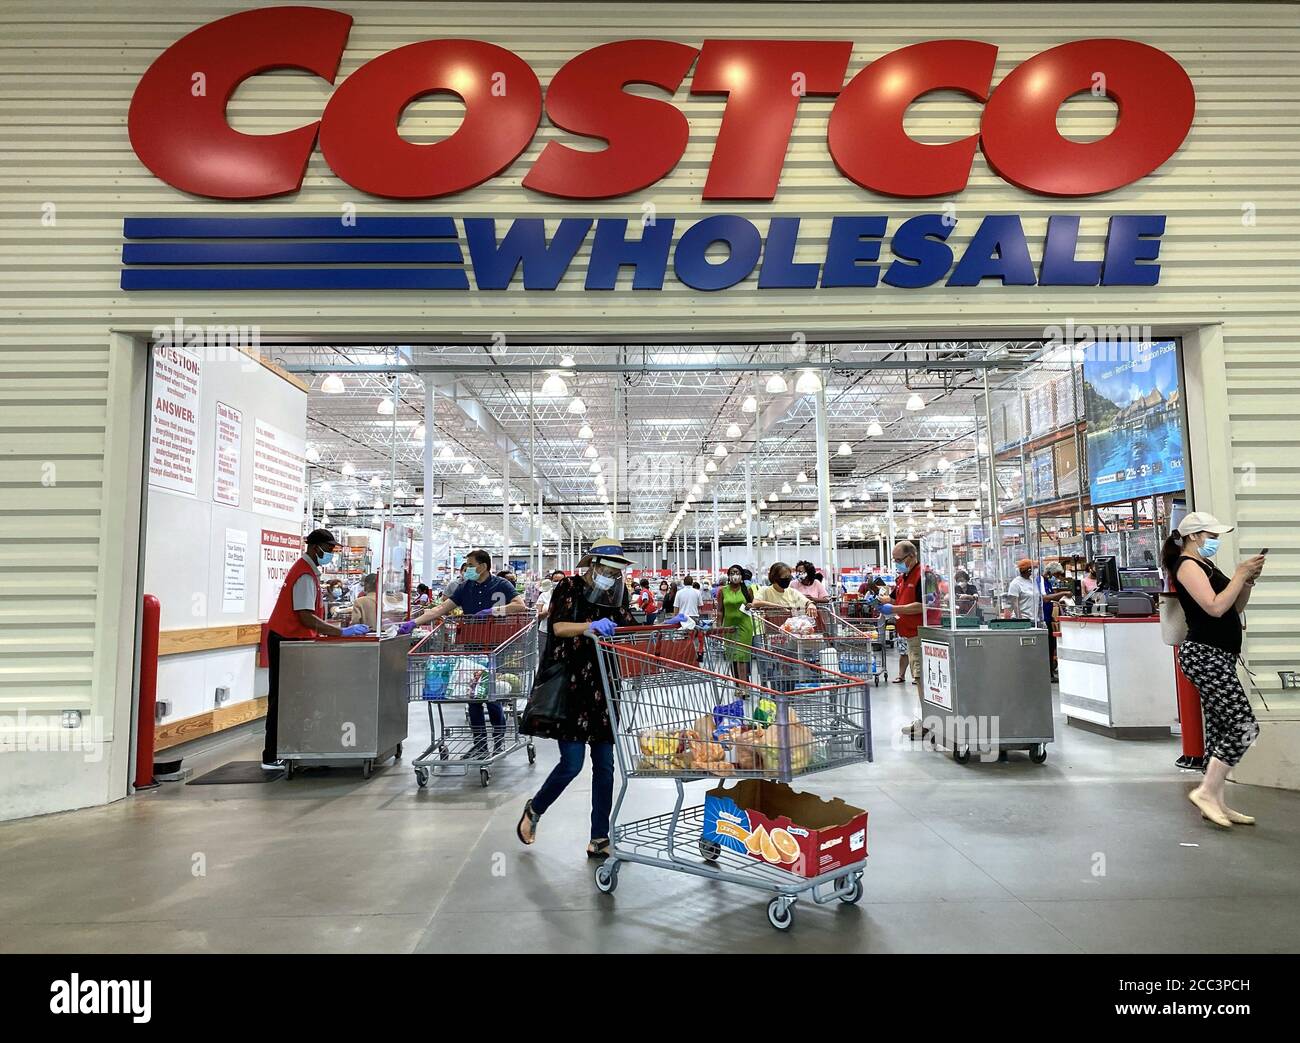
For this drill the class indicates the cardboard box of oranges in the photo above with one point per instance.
(798, 832)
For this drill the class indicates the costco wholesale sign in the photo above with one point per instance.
(191, 146)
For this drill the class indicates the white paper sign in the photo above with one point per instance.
(174, 421)
(936, 674)
(279, 551)
(229, 441)
(279, 472)
(234, 582)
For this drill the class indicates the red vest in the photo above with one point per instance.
(284, 619)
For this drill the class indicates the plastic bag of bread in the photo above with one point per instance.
(748, 744)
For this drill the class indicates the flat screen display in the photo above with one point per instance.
(1133, 402)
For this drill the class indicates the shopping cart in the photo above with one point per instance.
(859, 649)
(473, 663)
(674, 720)
(812, 648)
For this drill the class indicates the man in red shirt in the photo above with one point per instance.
(299, 615)
(905, 605)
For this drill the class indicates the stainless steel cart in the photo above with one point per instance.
(659, 699)
(987, 689)
(480, 663)
(342, 701)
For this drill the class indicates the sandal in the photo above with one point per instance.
(895, 680)
(598, 848)
(533, 818)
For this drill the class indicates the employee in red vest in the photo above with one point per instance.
(299, 615)
(907, 607)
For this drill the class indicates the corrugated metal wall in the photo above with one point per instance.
(68, 67)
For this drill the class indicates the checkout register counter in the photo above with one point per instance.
(1116, 673)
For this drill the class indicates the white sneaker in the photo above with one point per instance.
(917, 730)
(273, 765)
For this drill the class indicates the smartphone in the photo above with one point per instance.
(1264, 551)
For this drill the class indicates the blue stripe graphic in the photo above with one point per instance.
(294, 279)
(288, 228)
(292, 253)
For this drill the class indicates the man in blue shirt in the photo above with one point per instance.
(480, 595)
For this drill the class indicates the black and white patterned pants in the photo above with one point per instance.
(1230, 725)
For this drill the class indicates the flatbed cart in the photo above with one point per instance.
(466, 661)
(659, 706)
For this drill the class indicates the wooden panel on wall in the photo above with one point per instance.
(209, 723)
(204, 639)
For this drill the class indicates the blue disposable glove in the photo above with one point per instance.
(483, 613)
(679, 618)
(603, 627)
(356, 630)
(406, 628)
(886, 610)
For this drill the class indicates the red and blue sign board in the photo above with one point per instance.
(178, 129)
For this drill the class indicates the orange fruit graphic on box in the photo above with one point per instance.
(754, 842)
(786, 846)
(767, 849)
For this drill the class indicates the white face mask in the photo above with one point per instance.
(603, 582)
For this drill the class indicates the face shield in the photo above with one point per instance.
(605, 584)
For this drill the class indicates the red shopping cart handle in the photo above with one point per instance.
(641, 629)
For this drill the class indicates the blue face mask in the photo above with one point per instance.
(325, 558)
(901, 568)
(1210, 547)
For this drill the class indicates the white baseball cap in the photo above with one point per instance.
(1200, 521)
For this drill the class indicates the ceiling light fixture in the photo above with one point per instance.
(845, 449)
(776, 384)
(332, 385)
(808, 383)
(874, 430)
(554, 386)
(386, 406)
(915, 402)
(750, 405)
(577, 406)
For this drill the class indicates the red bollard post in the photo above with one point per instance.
(1189, 713)
(148, 693)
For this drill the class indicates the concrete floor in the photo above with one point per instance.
(1097, 850)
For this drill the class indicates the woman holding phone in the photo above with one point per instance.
(1213, 603)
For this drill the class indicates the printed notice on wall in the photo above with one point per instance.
(234, 582)
(174, 421)
(936, 674)
(279, 470)
(279, 551)
(230, 436)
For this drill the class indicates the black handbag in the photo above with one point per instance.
(548, 701)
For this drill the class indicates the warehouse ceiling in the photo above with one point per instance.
(660, 418)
